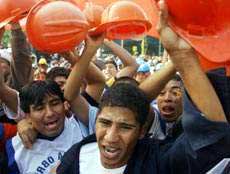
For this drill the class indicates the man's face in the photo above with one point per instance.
(48, 118)
(141, 76)
(43, 67)
(117, 132)
(169, 101)
(110, 70)
(61, 81)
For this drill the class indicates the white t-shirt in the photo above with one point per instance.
(90, 161)
(45, 155)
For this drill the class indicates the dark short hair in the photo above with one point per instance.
(35, 92)
(127, 96)
(126, 79)
(56, 72)
(111, 61)
(177, 78)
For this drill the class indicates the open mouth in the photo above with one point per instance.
(168, 110)
(111, 152)
(52, 124)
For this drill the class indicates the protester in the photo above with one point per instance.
(18, 69)
(169, 103)
(111, 69)
(43, 102)
(142, 72)
(203, 144)
(59, 75)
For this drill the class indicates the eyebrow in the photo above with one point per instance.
(176, 87)
(120, 123)
(128, 125)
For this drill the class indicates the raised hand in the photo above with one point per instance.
(27, 132)
(94, 41)
(171, 41)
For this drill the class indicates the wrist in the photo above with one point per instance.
(181, 53)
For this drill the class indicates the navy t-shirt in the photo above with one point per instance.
(203, 144)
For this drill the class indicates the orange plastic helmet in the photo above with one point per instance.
(124, 20)
(56, 26)
(79, 3)
(205, 24)
(11, 10)
(93, 14)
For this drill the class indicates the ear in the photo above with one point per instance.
(143, 131)
(66, 106)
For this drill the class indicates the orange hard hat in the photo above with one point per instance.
(11, 10)
(93, 14)
(56, 26)
(124, 20)
(205, 24)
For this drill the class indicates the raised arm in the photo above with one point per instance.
(7, 95)
(72, 89)
(186, 62)
(95, 82)
(153, 85)
(21, 65)
(130, 65)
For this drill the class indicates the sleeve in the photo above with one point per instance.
(12, 164)
(221, 168)
(10, 131)
(7, 131)
(200, 131)
(202, 145)
(10, 114)
(21, 65)
(90, 100)
(92, 118)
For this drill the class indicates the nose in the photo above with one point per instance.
(111, 134)
(168, 96)
(49, 111)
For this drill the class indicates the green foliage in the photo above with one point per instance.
(6, 39)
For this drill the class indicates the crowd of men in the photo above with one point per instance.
(94, 117)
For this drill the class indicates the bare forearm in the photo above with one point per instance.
(153, 85)
(94, 74)
(198, 85)
(95, 82)
(79, 70)
(123, 54)
(21, 65)
(9, 97)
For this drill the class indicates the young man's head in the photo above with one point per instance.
(126, 79)
(142, 72)
(59, 75)
(169, 100)
(110, 68)
(123, 111)
(43, 102)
